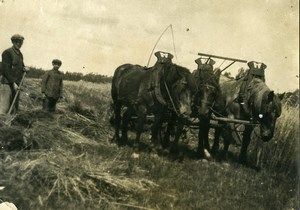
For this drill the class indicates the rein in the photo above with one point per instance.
(170, 97)
(169, 94)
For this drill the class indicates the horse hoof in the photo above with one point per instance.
(214, 151)
(243, 161)
(165, 152)
(158, 149)
(135, 155)
(165, 144)
(174, 150)
(124, 138)
(122, 143)
(135, 147)
(207, 155)
(115, 139)
(152, 146)
(200, 156)
(180, 156)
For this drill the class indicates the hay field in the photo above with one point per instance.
(68, 161)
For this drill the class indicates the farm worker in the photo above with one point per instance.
(52, 86)
(11, 74)
(256, 70)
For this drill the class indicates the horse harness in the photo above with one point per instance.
(154, 89)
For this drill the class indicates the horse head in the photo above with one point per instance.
(208, 90)
(178, 86)
(266, 108)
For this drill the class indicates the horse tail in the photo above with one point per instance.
(117, 78)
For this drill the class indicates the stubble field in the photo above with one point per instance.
(68, 161)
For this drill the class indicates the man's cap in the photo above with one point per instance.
(17, 37)
(163, 57)
(56, 61)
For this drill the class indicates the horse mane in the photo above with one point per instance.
(207, 76)
(181, 71)
(258, 85)
(258, 93)
(177, 68)
(189, 77)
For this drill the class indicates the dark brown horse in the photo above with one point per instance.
(208, 91)
(155, 90)
(264, 108)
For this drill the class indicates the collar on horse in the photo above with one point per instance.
(157, 92)
(255, 99)
(155, 85)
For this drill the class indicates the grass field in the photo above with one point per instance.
(70, 162)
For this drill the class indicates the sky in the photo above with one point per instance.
(97, 36)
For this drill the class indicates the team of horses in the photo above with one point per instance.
(173, 94)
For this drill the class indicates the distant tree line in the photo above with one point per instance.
(72, 76)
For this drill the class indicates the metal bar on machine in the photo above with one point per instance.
(228, 66)
(228, 120)
(221, 57)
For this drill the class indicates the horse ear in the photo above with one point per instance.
(271, 96)
(211, 62)
(251, 64)
(198, 61)
(263, 66)
(158, 55)
(170, 56)
(281, 96)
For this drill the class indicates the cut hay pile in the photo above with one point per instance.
(65, 160)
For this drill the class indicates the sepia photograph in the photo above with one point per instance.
(149, 105)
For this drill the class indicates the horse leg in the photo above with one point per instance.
(125, 120)
(216, 145)
(245, 144)
(227, 136)
(117, 121)
(141, 117)
(178, 132)
(200, 150)
(167, 134)
(203, 138)
(205, 135)
(156, 130)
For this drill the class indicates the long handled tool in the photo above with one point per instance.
(16, 95)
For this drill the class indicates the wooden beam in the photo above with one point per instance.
(229, 120)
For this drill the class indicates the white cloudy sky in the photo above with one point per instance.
(99, 35)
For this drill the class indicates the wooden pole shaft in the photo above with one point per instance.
(221, 57)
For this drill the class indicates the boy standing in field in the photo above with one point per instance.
(52, 85)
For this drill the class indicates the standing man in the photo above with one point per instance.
(52, 85)
(11, 74)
